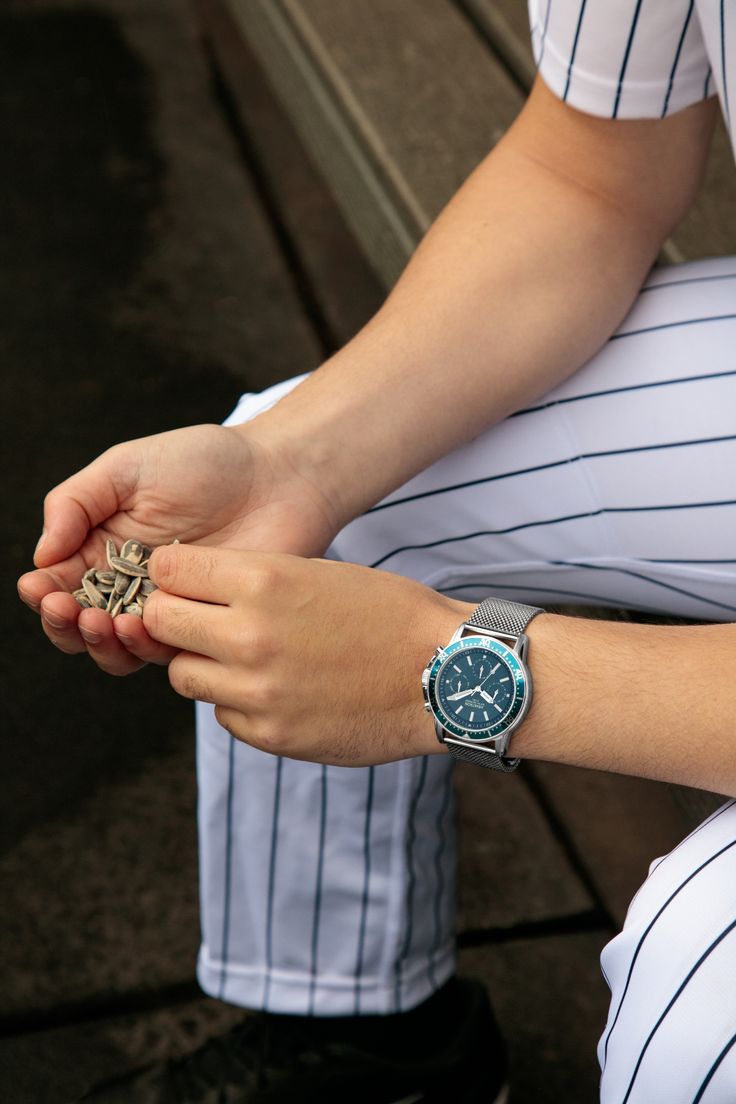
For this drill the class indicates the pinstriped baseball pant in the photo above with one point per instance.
(330, 890)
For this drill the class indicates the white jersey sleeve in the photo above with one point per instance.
(622, 59)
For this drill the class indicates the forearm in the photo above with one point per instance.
(655, 701)
(521, 279)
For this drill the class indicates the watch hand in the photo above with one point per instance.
(487, 697)
(461, 694)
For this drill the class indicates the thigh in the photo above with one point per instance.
(671, 1031)
(616, 488)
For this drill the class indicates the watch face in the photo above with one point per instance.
(477, 688)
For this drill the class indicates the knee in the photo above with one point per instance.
(671, 1028)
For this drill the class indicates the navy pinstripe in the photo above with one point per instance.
(706, 86)
(690, 280)
(648, 930)
(724, 67)
(550, 465)
(706, 954)
(676, 59)
(625, 62)
(318, 887)
(411, 836)
(439, 875)
(714, 1069)
(553, 521)
(622, 390)
(366, 885)
(270, 897)
(574, 48)
(647, 579)
(228, 867)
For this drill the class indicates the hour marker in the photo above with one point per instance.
(459, 709)
(470, 662)
(494, 669)
(486, 715)
(498, 707)
(456, 668)
(507, 679)
(472, 714)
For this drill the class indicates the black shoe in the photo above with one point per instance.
(448, 1051)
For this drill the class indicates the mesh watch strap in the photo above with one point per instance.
(481, 755)
(494, 615)
(498, 615)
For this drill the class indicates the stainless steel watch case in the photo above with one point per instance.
(516, 643)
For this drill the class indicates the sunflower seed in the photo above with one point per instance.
(111, 551)
(92, 593)
(116, 607)
(130, 593)
(132, 550)
(123, 584)
(127, 567)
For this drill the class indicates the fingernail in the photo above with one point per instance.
(127, 640)
(90, 635)
(29, 601)
(54, 620)
(41, 539)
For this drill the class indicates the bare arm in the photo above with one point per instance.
(521, 279)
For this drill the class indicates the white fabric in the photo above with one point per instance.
(330, 890)
(633, 59)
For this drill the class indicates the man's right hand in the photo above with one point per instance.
(207, 484)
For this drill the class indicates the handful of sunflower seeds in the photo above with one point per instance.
(122, 586)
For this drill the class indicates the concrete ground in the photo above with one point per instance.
(153, 270)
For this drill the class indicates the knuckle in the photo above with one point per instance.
(186, 682)
(163, 566)
(254, 640)
(262, 578)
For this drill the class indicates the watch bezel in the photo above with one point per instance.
(522, 690)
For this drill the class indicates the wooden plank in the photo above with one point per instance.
(551, 1002)
(505, 24)
(342, 286)
(393, 125)
(617, 825)
(512, 868)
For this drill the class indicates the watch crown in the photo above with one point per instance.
(428, 707)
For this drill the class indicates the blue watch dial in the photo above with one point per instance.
(476, 689)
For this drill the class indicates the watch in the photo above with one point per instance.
(478, 687)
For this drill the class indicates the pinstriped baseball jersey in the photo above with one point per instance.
(629, 59)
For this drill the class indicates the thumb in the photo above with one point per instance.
(82, 502)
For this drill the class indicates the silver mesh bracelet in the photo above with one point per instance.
(496, 615)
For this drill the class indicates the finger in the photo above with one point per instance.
(59, 617)
(204, 574)
(187, 626)
(236, 723)
(35, 585)
(82, 502)
(97, 631)
(133, 635)
(201, 679)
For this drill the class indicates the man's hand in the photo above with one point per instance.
(310, 659)
(229, 487)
